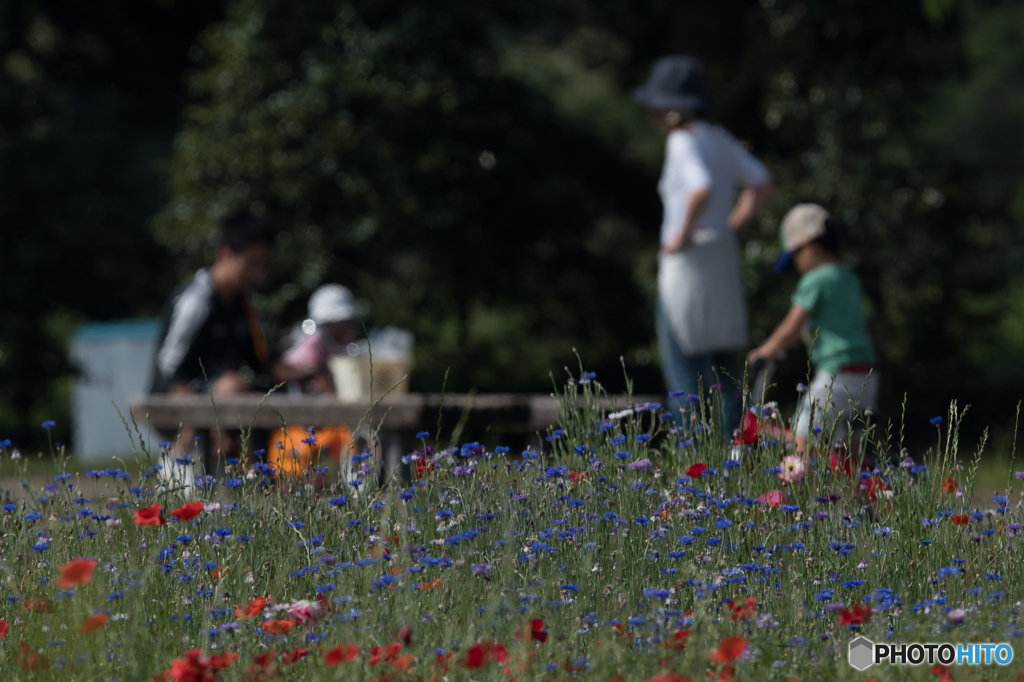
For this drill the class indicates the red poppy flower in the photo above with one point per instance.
(537, 633)
(405, 634)
(485, 652)
(749, 435)
(696, 470)
(278, 627)
(949, 486)
(343, 653)
(4, 627)
(294, 655)
(960, 519)
(728, 674)
(678, 641)
(262, 667)
(251, 609)
(93, 623)
(743, 610)
(222, 661)
(77, 572)
(187, 512)
(41, 605)
(942, 672)
(149, 516)
(386, 653)
(403, 662)
(30, 661)
(729, 649)
(192, 667)
(858, 615)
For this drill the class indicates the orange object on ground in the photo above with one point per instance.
(296, 457)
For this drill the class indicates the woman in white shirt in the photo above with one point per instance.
(701, 312)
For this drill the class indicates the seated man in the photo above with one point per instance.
(209, 324)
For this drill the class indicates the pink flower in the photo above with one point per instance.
(773, 498)
(794, 468)
(304, 611)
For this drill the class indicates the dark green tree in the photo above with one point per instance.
(404, 158)
(89, 100)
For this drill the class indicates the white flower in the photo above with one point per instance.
(794, 468)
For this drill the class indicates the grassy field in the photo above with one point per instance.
(624, 548)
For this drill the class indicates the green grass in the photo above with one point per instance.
(617, 554)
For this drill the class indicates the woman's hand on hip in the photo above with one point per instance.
(679, 243)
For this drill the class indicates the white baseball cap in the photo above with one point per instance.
(332, 303)
(803, 223)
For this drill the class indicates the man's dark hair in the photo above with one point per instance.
(242, 229)
(830, 240)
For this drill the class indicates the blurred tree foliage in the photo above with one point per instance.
(89, 100)
(406, 159)
(478, 173)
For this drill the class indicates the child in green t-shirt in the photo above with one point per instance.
(828, 304)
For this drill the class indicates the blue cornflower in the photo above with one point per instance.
(423, 434)
(936, 420)
(49, 424)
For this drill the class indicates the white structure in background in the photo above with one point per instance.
(116, 363)
(391, 348)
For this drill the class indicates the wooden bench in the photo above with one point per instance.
(463, 417)
(498, 412)
(397, 419)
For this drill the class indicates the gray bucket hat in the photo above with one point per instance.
(676, 83)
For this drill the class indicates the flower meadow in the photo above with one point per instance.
(631, 546)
